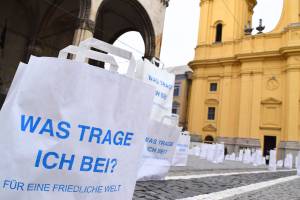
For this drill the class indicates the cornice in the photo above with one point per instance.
(257, 56)
(290, 50)
(213, 62)
(245, 57)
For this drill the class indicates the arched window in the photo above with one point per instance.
(219, 29)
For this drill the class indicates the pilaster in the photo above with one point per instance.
(245, 106)
(292, 99)
(225, 129)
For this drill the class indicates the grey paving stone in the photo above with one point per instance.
(285, 191)
(174, 189)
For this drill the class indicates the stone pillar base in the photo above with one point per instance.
(196, 138)
(285, 148)
(235, 144)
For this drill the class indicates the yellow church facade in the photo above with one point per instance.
(246, 88)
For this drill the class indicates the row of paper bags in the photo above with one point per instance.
(70, 130)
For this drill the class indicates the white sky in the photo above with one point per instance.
(181, 29)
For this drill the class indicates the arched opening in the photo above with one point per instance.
(270, 19)
(209, 139)
(219, 30)
(117, 17)
(137, 47)
(34, 27)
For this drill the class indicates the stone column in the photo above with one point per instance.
(86, 22)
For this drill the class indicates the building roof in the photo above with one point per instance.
(177, 70)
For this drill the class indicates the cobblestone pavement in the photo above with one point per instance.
(285, 191)
(176, 189)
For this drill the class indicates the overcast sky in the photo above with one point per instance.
(181, 29)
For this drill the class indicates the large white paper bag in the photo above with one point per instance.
(72, 131)
(272, 162)
(158, 151)
(219, 153)
(211, 152)
(241, 154)
(258, 158)
(247, 156)
(279, 163)
(196, 151)
(164, 82)
(298, 164)
(182, 150)
(203, 150)
(288, 161)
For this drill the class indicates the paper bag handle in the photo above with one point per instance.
(157, 63)
(108, 48)
(83, 53)
(172, 118)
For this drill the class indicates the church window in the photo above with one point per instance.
(211, 113)
(213, 87)
(219, 30)
(176, 90)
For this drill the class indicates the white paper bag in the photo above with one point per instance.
(272, 162)
(71, 127)
(203, 150)
(258, 158)
(263, 161)
(158, 151)
(164, 82)
(232, 157)
(196, 151)
(241, 154)
(298, 164)
(247, 156)
(182, 150)
(211, 152)
(288, 161)
(219, 153)
(280, 163)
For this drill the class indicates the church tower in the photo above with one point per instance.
(224, 20)
(246, 88)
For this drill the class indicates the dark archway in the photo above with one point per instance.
(117, 17)
(209, 139)
(36, 27)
